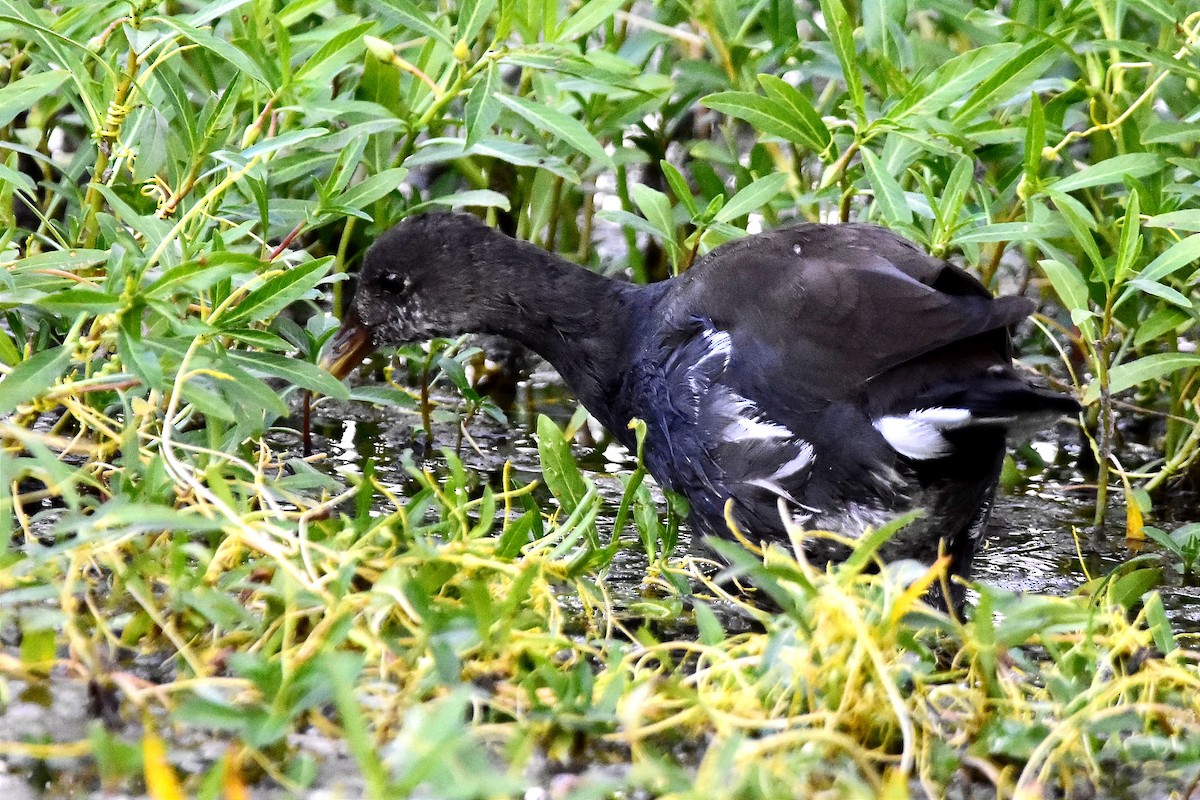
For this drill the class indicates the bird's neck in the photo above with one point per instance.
(584, 324)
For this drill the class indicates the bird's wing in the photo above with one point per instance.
(826, 309)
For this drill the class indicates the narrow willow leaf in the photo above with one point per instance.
(1161, 291)
(1159, 623)
(1164, 321)
(69, 302)
(472, 198)
(521, 154)
(764, 115)
(590, 16)
(889, 197)
(566, 128)
(1111, 170)
(276, 143)
(1131, 239)
(1072, 291)
(1035, 139)
(953, 197)
(753, 197)
(1182, 253)
(1147, 368)
(296, 372)
(483, 109)
(67, 260)
(334, 54)
(275, 294)
(472, 16)
(20, 95)
(138, 359)
(1015, 76)
(561, 473)
(656, 208)
(202, 274)
(679, 187)
(415, 20)
(800, 111)
(1184, 220)
(33, 377)
(841, 36)
(374, 188)
(951, 80)
(1170, 133)
(219, 47)
(1013, 232)
(384, 396)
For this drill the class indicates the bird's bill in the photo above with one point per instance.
(350, 345)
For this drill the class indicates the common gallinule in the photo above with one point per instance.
(835, 373)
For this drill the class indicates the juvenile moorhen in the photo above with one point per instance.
(832, 371)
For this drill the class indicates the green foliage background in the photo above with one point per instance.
(176, 175)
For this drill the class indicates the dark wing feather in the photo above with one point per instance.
(843, 302)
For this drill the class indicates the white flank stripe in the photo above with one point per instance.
(801, 460)
(743, 428)
(918, 434)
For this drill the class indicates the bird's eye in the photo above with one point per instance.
(394, 283)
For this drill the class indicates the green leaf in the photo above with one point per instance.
(800, 112)
(384, 396)
(679, 187)
(561, 473)
(954, 195)
(1131, 239)
(66, 260)
(1127, 590)
(764, 115)
(1182, 253)
(656, 208)
(416, 20)
(472, 198)
(330, 54)
(1111, 170)
(22, 94)
(753, 197)
(1035, 139)
(373, 188)
(1013, 232)
(295, 372)
(76, 301)
(1183, 220)
(1159, 290)
(841, 36)
(1006, 82)
(590, 16)
(275, 294)
(201, 274)
(1160, 624)
(135, 356)
(889, 197)
(483, 109)
(949, 81)
(568, 129)
(1146, 368)
(220, 48)
(1072, 291)
(472, 15)
(33, 377)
